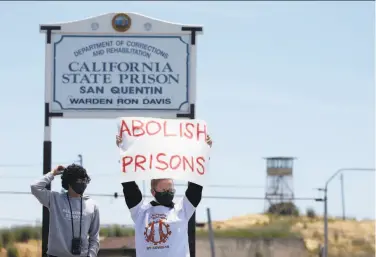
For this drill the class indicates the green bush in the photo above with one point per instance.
(19, 234)
(12, 251)
(116, 231)
(23, 234)
(284, 209)
(7, 237)
(311, 213)
(103, 232)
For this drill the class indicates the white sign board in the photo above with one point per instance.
(163, 148)
(120, 65)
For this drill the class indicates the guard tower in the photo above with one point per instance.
(279, 181)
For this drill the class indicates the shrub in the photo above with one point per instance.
(336, 236)
(311, 213)
(116, 231)
(12, 251)
(358, 242)
(7, 237)
(104, 232)
(23, 234)
(316, 235)
(36, 233)
(284, 209)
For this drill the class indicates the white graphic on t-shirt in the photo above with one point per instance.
(157, 222)
(75, 214)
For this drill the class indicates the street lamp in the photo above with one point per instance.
(80, 159)
(326, 203)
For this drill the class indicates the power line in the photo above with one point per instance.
(109, 175)
(180, 185)
(19, 220)
(116, 195)
(30, 164)
(25, 165)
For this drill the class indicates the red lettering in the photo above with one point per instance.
(124, 128)
(161, 161)
(136, 128)
(174, 157)
(189, 163)
(181, 129)
(189, 130)
(148, 125)
(201, 132)
(165, 130)
(127, 160)
(200, 162)
(139, 159)
(151, 162)
(164, 162)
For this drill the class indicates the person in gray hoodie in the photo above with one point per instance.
(74, 218)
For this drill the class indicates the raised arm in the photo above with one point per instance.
(38, 189)
(194, 194)
(192, 198)
(94, 234)
(132, 194)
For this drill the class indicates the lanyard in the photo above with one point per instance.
(70, 207)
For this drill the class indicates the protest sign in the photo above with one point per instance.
(163, 148)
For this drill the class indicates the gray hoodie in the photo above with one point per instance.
(60, 235)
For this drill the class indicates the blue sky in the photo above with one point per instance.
(274, 78)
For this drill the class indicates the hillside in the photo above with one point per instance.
(347, 238)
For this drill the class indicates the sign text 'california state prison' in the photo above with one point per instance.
(121, 72)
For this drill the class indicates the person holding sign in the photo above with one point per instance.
(74, 218)
(161, 226)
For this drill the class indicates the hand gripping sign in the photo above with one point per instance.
(163, 148)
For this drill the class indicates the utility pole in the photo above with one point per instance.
(80, 159)
(326, 239)
(343, 197)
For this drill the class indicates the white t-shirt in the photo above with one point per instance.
(162, 231)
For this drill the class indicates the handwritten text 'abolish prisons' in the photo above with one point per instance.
(162, 161)
(138, 128)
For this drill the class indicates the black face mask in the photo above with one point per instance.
(164, 198)
(79, 188)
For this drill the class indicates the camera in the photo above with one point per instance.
(76, 246)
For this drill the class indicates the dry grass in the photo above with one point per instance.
(345, 237)
(30, 249)
(349, 236)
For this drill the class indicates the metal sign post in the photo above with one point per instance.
(117, 65)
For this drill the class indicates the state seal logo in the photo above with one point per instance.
(121, 22)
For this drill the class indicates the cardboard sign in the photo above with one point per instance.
(163, 148)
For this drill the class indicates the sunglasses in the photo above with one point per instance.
(166, 192)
